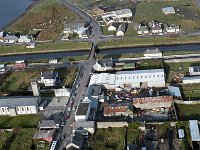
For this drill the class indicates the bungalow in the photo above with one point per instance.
(62, 92)
(24, 39)
(153, 53)
(156, 29)
(49, 78)
(173, 29)
(10, 39)
(121, 30)
(142, 30)
(76, 28)
(112, 26)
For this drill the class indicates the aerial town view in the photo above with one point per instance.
(99, 74)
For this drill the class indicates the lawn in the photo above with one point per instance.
(181, 68)
(112, 138)
(106, 32)
(188, 111)
(45, 47)
(146, 12)
(191, 91)
(19, 81)
(133, 132)
(4, 136)
(23, 139)
(26, 121)
(47, 15)
(186, 142)
(67, 75)
(150, 64)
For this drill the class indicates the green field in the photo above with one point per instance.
(108, 139)
(188, 111)
(26, 121)
(191, 91)
(45, 47)
(147, 41)
(146, 12)
(18, 81)
(4, 136)
(47, 15)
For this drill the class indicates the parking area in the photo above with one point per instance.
(55, 108)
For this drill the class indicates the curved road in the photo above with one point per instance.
(96, 33)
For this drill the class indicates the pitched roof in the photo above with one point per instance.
(47, 124)
(83, 124)
(49, 75)
(18, 101)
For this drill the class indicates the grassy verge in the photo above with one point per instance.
(26, 121)
(188, 111)
(108, 139)
(45, 47)
(47, 15)
(142, 41)
(106, 32)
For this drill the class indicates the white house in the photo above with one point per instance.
(112, 26)
(49, 78)
(62, 92)
(13, 106)
(76, 28)
(82, 112)
(194, 130)
(172, 29)
(141, 30)
(121, 30)
(88, 126)
(168, 10)
(10, 39)
(152, 53)
(156, 29)
(30, 45)
(24, 39)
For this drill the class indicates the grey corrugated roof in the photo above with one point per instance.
(83, 124)
(18, 101)
(47, 124)
(140, 71)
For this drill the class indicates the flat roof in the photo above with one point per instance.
(123, 11)
(18, 101)
(191, 78)
(194, 130)
(174, 91)
(140, 71)
(82, 108)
